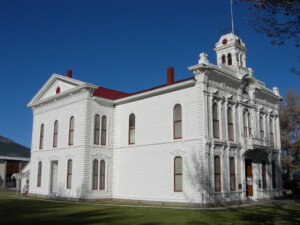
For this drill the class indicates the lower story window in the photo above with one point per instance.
(178, 174)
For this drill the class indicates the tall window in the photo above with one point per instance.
(95, 175)
(263, 174)
(55, 134)
(178, 174)
(102, 175)
(247, 124)
(229, 59)
(42, 136)
(230, 124)
(69, 174)
(261, 127)
(232, 174)
(96, 129)
(177, 119)
(273, 174)
(71, 131)
(223, 59)
(271, 133)
(216, 131)
(241, 60)
(217, 165)
(39, 174)
(131, 138)
(103, 130)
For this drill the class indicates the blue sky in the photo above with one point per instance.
(124, 45)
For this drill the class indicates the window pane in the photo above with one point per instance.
(132, 121)
(103, 123)
(102, 174)
(69, 181)
(217, 165)
(177, 113)
(103, 137)
(72, 123)
(178, 165)
(71, 137)
(217, 182)
(178, 129)
(232, 182)
(230, 131)
(215, 112)
(178, 182)
(216, 128)
(131, 136)
(229, 115)
(97, 122)
(95, 174)
(96, 137)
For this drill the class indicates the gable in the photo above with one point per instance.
(58, 84)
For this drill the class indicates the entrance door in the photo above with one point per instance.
(249, 177)
(54, 170)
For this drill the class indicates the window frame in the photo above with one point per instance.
(218, 173)
(177, 122)
(131, 128)
(230, 124)
(103, 130)
(71, 131)
(39, 174)
(215, 107)
(178, 174)
(102, 175)
(69, 173)
(95, 175)
(55, 134)
(42, 130)
(97, 130)
(232, 174)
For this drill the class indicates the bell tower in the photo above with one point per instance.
(231, 51)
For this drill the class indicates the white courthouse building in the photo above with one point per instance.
(213, 137)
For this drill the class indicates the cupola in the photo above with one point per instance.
(231, 51)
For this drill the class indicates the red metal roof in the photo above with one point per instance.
(113, 95)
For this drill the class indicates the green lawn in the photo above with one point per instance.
(31, 211)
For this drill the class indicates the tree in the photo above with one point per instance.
(278, 19)
(289, 112)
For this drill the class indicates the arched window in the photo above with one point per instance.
(232, 174)
(273, 174)
(57, 90)
(178, 174)
(131, 132)
(261, 127)
(263, 174)
(95, 175)
(96, 129)
(230, 125)
(71, 131)
(55, 134)
(103, 130)
(69, 174)
(42, 137)
(271, 133)
(229, 59)
(217, 165)
(177, 122)
(102, 175)
(223, 59)
(216, 131)
(39, 174)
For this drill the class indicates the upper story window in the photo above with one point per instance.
(247, 124)
(42, 137)
(103, 130)
(230, 124)
(71, 131)
(229, 59)
(96, 129)
(131, 132)
(263, 174)
(261, 127)
(223, 59)
(39, 174)
(217, 166)
(55, 134)
(178, 174)
(177, 122)
(232, 174)
(95, 175)
(271, 133)
(69, 174)
(241, 60)
(216, 130)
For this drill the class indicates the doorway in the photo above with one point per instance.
(249, 177)
(54, 170)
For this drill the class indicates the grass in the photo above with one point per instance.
(33, 211)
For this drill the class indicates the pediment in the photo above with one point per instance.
(57, 85)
